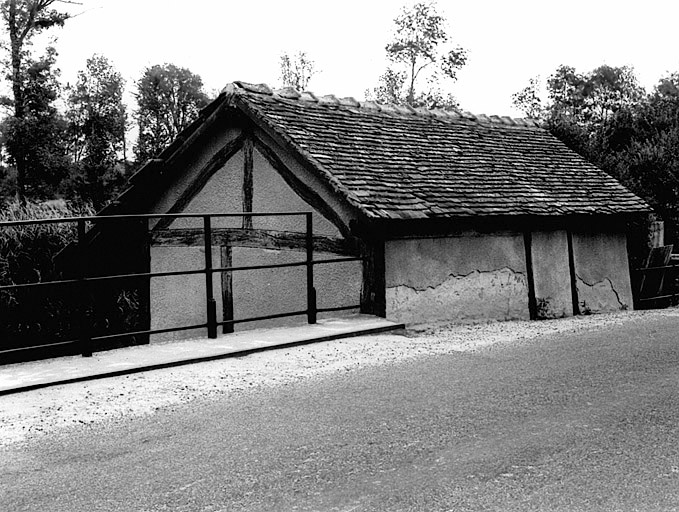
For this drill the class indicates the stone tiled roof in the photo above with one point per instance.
(399, 162)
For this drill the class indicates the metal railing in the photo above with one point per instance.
(82, 281)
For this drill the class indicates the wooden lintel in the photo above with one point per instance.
(255, 238)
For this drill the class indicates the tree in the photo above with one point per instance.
(528, 100)
(419, 44)
(296, 71)
(23, 19)
(606, 117)
(168, 100)
(37, 139)
(97, 121)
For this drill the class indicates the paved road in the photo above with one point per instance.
(567, 422)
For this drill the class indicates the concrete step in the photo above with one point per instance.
(63, 370)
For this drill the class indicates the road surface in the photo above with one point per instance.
(576, 421)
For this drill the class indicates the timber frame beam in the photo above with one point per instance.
(254, 238)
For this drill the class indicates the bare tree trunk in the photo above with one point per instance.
(411, 90)
(19, 111)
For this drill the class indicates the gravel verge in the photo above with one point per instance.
(29, 415)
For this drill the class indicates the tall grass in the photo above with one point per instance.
(27, 252)
(36, 316)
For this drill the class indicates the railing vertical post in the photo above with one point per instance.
(83, 323)
(675, 288)
(209, 292)
(310, 290)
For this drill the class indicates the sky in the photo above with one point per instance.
(508, 41)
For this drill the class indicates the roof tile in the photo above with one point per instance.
(399, 162)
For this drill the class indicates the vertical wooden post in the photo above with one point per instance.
(227, 288)
(310, 290)
(211, 303)
(83, 323)
(571, 266)
(532, 301)
(145, 288)
(373, 288)
(248, 182)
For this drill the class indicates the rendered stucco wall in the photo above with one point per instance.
(210, 145)
(551, 274)
(283, 290)
(180, 300)
(223, 193)
(602, 272)
(272, 194)
(463, 278)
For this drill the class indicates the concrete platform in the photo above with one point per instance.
(63, 370)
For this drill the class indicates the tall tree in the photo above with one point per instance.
(168, 100)
(420, 50)
(97, 120)
(296, 70)
(37, 139)
(581, 108)
(23, 19)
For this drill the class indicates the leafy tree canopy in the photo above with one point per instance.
(22, 20)
(97, 122)
(420, 53)
(39, 136)
(296, 70)
(169, 98)
(608, 118)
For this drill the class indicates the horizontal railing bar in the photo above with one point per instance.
(257, 318)
(145, 216)
(145, 274)
(336, 260)
(38, 285)
(153, 331)
(675, 265)
(659, 297)
(35, 347)
(103, 278)
(256, 267)
(337, 308)
(107, 337)
(282, 265)
(168, 274)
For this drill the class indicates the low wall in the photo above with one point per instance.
(283, 290)
(551, 274)
(602, 272)
(180, 300)
(471, 277)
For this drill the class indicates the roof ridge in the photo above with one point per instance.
(290, 93)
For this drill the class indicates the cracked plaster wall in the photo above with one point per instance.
(471, 277)
(602, 272)
(551, 274)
